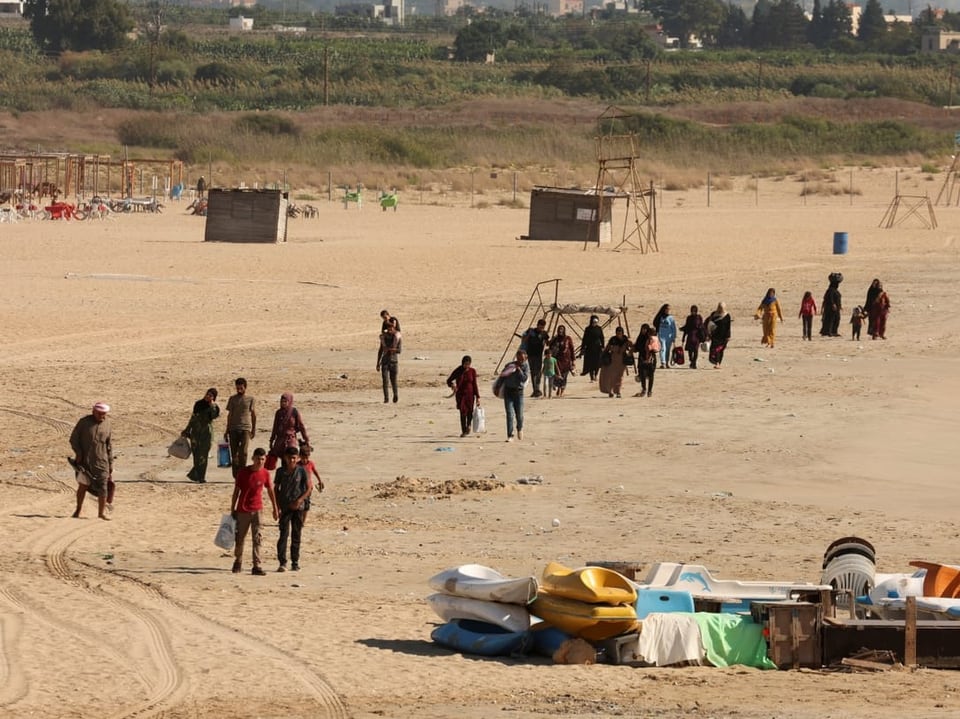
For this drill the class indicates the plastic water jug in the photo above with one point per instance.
(223, 454)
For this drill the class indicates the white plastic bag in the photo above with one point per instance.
(227, 533)
(479, 420)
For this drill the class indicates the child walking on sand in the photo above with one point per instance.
(311, 470)
(549, 371)
(856, 322)
(808, 308)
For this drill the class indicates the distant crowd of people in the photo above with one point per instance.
(546, 362)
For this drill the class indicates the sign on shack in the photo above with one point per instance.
(245, 215)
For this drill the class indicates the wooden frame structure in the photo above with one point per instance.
(913, 204)
(951, 184)
(617, 155)
(541, 306)
(83, 175)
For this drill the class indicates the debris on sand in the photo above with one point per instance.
(404, 486)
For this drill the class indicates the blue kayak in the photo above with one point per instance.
(473, 637)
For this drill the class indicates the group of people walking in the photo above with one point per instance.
(288, 454)
(874, 311)
(548, 361)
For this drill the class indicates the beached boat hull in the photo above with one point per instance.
(488, 640)
(734, 595)
(476, 581)
(941, 580)
(583, 619)
(511, 617)
(594, 585)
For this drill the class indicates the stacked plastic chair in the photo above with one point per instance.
(850, 563)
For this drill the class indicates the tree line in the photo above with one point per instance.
(520, 35)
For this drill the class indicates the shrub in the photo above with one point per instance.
(219, 73)
(266, 124)
(149, 131)
(173, 72)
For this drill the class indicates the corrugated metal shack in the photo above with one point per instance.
(245, 215)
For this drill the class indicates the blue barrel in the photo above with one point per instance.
(839, 243)
(223, 454)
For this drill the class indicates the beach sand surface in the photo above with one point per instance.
(751, 470)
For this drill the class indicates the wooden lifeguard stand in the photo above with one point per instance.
(617, 155)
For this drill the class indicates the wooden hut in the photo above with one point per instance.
(558, 213)
(246, 216)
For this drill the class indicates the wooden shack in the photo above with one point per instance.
(246, 215)
(558, 213)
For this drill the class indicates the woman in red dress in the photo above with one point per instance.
(879, 309)
(562, 349)
(463, 382)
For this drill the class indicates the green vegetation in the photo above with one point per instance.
(182, 77)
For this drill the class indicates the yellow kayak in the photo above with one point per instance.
(590, 621)
(595, 585)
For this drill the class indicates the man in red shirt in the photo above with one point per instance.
(246, 505)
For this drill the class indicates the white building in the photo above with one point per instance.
(241, 24)
(11, 7)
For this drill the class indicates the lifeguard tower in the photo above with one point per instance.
(617, 155)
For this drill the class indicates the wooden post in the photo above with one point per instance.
(910, 633)
(326, 75)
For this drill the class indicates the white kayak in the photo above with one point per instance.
(511, 617)
(476, 581)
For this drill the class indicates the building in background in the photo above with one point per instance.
(11, 7)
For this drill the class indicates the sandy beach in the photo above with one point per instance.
(751, 470)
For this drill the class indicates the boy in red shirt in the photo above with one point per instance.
(246, 505)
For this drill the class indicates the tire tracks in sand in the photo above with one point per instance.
(31, 608)
(166, 681)
(160, 618)
(60, 428)
(329, 705)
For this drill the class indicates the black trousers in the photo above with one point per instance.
(646, 376)
(291, 526)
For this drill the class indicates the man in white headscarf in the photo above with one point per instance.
(93, 460)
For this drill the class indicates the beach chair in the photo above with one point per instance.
(389, 199)
(355, 196)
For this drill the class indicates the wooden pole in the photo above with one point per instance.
(326, 76)
(910, 633)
